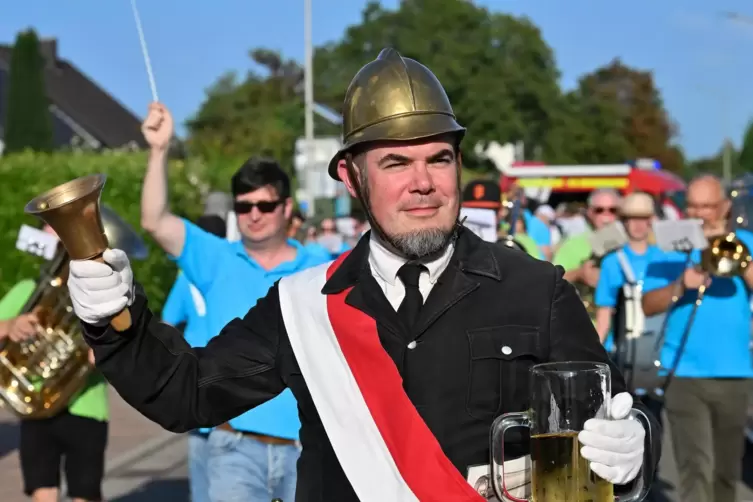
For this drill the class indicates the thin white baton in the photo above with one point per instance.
(145, 51)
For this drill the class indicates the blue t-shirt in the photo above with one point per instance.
(186, 304)
(317, 249)
(612, 278)
(231, 282)
(718, 344)
(537, 229)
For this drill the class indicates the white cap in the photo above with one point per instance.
(546, 211)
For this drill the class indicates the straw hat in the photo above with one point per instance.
(637, 205)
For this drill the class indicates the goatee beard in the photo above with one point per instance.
(421, 244)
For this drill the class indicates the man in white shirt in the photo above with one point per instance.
(403, 351)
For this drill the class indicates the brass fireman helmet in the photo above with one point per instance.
(394, 99)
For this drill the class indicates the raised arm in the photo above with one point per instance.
(156, 371)
(166, 228)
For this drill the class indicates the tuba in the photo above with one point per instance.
(586, 292)
(39, 376)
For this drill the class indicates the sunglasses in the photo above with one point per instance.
(601, 210)
(264, 206)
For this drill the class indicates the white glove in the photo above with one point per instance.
(614, 447)
(98, 290)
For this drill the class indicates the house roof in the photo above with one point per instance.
(79, 97)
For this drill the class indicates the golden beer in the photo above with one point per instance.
(564, 397)
(561, 474)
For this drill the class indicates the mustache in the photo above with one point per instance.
(423, 202)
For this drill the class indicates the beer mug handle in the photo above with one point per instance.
(643, 480)
(499, 427)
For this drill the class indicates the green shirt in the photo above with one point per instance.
(91, 401)
(12, 303)
(529, 245)
(573, 251)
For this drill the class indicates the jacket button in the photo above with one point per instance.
(506, 350)
(412, 345)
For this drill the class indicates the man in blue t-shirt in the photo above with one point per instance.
(252, 456)
(707, 401)
(186, 305)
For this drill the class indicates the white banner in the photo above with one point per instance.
(680, 235)
(37, 242)
(482, 222)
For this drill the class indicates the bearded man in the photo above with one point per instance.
(402, 352)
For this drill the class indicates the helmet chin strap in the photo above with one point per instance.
(355, 182)
(375, 227)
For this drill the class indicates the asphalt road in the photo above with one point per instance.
(159, 475)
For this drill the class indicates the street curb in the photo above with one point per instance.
(143, 450)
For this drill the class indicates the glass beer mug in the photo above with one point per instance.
(563, 397)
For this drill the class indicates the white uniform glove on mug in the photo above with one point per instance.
(614, 447)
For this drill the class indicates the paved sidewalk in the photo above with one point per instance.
(128, 429)
(668, 473)
(159, 476)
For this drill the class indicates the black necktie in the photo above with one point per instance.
(413, 301)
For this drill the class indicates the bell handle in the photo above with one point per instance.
(122, 321)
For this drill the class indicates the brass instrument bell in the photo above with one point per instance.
(73, 211)
(725, 256)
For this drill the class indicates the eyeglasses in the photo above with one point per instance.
(601, 210)
(700, 206)
(264, 206)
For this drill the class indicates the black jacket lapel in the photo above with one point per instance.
(458, 281)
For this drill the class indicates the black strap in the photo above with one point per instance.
(685, 335)
(681, 347)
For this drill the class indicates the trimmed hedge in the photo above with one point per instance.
(26, 175)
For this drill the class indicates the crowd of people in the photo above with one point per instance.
(297, 355)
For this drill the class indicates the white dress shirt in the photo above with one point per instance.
(385, 264)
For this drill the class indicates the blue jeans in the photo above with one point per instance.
(198, 473)
(242, 469)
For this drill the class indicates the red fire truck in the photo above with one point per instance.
(553, 184)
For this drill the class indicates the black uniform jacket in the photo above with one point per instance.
(457, 375)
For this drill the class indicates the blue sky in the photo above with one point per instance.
(697, 56)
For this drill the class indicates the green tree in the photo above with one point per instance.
(714, 164)
(624, 106)
(498, 72)
(260, 115)
(256, 116)
(28, 121)
(745, 159)
(589, 131)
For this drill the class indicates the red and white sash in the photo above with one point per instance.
(386, 450)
